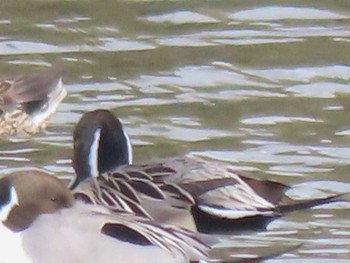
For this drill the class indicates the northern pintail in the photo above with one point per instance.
(41, 222)
(27, 101)
(204, 196)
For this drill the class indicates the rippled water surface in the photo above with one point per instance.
(260, 85)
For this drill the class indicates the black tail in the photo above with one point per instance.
(207, 223)
(305, 204)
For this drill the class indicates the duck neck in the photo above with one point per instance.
(114, 150)
(106, 150)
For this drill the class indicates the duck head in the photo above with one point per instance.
(26, 195)
(100, 145)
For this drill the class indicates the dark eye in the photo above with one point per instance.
(53, 199)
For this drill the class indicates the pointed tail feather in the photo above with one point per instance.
(305, 204)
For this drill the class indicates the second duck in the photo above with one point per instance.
(198, 195)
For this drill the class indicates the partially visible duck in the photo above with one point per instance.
(204, 196)
(27, 101)
(41, 222)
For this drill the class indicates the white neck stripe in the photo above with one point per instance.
(6, 209)
(129, 146)
(93, 155)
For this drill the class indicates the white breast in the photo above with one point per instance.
(72, 237)
(11, 247)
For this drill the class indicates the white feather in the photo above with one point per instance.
(233, 214)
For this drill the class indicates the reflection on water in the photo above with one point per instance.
(273, 13)
(260, 86)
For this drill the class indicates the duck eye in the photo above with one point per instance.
(53, 199)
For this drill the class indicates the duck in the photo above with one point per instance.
(199, 195)
(27, 101)
(42, 222)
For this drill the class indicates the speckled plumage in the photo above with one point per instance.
(26, 102)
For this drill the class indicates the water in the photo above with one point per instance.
(259, 85)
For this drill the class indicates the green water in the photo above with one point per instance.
(260, 85)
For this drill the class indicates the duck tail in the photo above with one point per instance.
(305, 204)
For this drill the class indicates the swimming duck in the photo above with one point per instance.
(204, 196)
(27, 101)
(41, 222)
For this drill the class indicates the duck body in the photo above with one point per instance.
(27, 101)
(204, 196)
(46, 225)
(187, 192)
(71, 233)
